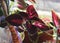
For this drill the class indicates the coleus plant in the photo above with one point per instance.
(33, 25)
(55, 18)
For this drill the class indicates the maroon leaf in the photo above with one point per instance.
(31, 12)
(55, 19)
(17, 19)
(41, 26)
(14, 19)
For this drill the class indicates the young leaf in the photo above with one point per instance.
(41, 26)
(31, 12)
(55, 18)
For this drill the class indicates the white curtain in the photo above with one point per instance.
(47, 5)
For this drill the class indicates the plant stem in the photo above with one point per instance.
(55, 35)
